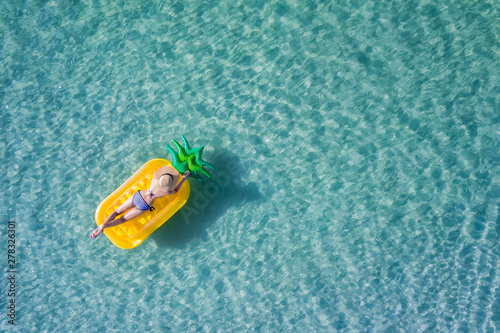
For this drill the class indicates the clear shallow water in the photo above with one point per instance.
(361, 140)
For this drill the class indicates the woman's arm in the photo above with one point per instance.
(186, 175)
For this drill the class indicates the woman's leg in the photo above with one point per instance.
(133, 213)
(111, 220)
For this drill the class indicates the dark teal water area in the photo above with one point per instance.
(357, 152)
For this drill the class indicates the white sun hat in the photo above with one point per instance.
(166, 178)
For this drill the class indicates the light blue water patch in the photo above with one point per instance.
(356, 145)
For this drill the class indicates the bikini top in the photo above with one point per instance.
(140, 203)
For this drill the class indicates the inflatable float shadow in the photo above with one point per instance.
(208, 202)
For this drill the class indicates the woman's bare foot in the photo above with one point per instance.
(96, 233)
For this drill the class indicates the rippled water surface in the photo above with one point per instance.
(357, 152)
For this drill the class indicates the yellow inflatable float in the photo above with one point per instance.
(132, 233)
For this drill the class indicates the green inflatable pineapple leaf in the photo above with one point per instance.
(187, 158)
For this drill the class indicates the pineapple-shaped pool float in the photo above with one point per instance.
(132, 233)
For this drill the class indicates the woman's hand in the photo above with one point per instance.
(187, 174)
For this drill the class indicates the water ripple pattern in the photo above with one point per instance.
(357, 150)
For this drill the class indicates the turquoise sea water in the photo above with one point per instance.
(357, 152)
